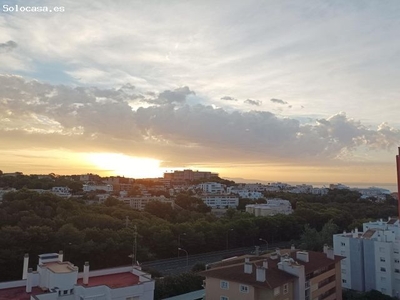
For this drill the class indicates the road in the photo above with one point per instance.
(171, 266)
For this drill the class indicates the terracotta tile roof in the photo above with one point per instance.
(233, 270)
(113, 280)
(18, 293)
(274, 277)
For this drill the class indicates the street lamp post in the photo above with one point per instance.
(262, 240)
(187, 256)
(227, 238)
(179, 241)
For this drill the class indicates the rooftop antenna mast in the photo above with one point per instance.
(134, 252)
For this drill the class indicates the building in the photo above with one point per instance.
(93, 187)
(189, 175)
(61, 191)
(220, 200)
(212, 188)
(372, 257)
(140, 202)
(5, 191)
(283, 275)
(55, 279)
(271, 208)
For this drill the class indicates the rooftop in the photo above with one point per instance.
(18, 293)
(112, 280)
(60, 267)
(233, 269)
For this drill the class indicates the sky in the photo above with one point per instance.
(302, 91)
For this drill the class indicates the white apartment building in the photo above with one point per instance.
(55, 279)
(61, 191)
(271, 208)
(372, 258)
(212, 187)
(92, 187)
(220, 201)
(245, 193)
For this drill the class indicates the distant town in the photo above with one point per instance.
(194, 235)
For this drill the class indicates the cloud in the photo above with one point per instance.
(36, 114)
(228, 98)
(253, 102)
(279, 101)
(7, 47)
(176, 96)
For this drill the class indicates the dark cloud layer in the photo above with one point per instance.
(253, 102)
(85, 119)
(279, 101)
(7, 47)
(228, 98)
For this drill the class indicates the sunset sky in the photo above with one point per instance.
(304, 91)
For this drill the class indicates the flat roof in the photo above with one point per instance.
(19, 293)
(60, 267)
(113, 280)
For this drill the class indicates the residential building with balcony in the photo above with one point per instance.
(372, 257)
(220, 200)
(283, 275)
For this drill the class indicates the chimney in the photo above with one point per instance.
(303, 256)
(330, 254)
(326, 248)
(292, 248)
(60, 256)
(260, 274)
(278, 251)
(248, 267)
(257, 251)
(398, 182)
(25, 267)
(29, 281)
(265, 264)
(86, 273)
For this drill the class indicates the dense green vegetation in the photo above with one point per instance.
(169, 286)
(33, 223)
(372, 295)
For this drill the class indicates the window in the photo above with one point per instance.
(396, 261)
(397, 270)
(383, 269)
(343, 244)
(285, 288)
(65, 292)
(383, 259)
(224, 298)
(344, 281)
(396, 251)
(244, 288)
(277, 291)
(224, 285)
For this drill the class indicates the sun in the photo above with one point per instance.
(124, 165)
